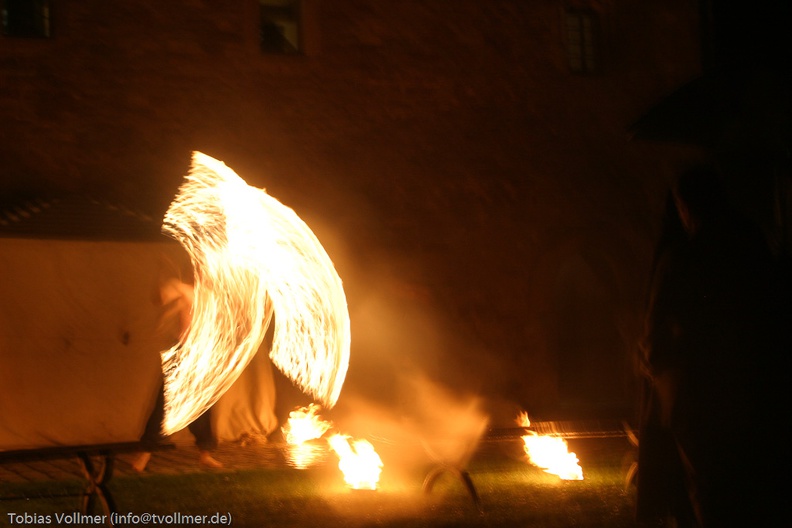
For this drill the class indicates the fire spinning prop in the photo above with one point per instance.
(253, 259)
(357, 459)
(550, 453)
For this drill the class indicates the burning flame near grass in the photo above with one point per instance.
(358, 460)
(550, 453)
(252, 257)
(303, 426)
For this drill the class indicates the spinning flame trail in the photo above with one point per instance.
(254, 259)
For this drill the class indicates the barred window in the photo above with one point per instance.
(25, 18)
(280, 26)
(581, 41)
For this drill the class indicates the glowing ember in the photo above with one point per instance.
(359, 462)
(253, 257)
(550, 453)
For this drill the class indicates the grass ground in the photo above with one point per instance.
(512, 493)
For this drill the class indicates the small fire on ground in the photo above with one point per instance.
(357, 458)
(304, 424)
(303, 427)
(550, 453)
(358, 461)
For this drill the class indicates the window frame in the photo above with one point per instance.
(285, 28)
(581, 40)
(26, 19)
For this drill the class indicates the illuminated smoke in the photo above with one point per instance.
(254, 260)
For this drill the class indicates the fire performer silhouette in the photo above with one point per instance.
(176, 298)
(710, 348)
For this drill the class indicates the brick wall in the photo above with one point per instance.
(482, 202)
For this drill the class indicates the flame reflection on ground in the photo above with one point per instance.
(301, 431)
(305, 455)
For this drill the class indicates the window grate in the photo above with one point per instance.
(280, 26)
(581, 42)
(25, 18)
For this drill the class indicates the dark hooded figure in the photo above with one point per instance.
(710, 349)
(660, 482)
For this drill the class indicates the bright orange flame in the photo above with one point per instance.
(550, 453)
(304, 425)
(358, 461)
(253, 257)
